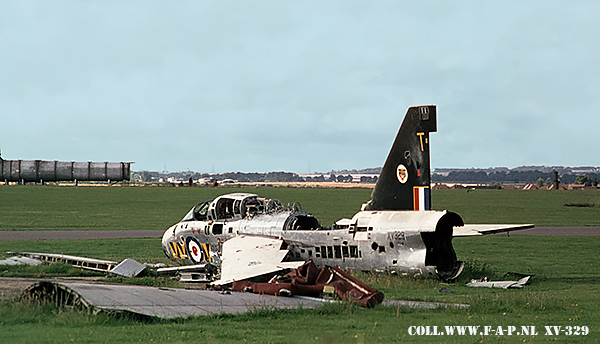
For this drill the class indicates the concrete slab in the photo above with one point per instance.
(162, 302)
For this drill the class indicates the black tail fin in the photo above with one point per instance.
(405, 178)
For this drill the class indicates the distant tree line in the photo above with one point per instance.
(495, 178)
(372, 170)
(252, 177)
(481, 177)
(281, 177)
(261, 177)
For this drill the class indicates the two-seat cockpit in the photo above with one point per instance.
(243, 206)
(230, 207)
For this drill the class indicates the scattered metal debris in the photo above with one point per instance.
(499, 284)
(191, 273)
(127, 268)
(155, 266)
(20, 260)
(422, 304)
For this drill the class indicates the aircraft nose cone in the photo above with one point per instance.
(168, 236)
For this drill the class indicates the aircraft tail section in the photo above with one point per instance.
(404, 182)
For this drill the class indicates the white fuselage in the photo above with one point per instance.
(387, 241)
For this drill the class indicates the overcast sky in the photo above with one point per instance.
(299, 86)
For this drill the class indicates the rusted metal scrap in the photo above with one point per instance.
(309, 280)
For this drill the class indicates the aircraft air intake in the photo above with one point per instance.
(440, 252)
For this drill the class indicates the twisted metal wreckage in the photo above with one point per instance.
(236, 237)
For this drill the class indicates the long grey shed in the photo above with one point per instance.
(56, 171)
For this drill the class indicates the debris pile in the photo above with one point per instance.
(308, 280)
(127, 268)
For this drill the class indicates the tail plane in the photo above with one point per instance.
(404, 182)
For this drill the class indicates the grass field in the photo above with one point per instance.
(26, 207)
(565, 289)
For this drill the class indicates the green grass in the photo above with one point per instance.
(42, 208)
(146, 249)
(565, 289)
(540, 207)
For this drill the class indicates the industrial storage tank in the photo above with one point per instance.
(57, 171)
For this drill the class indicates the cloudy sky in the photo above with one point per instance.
(298, 86)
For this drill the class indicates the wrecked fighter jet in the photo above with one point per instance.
(246, 235)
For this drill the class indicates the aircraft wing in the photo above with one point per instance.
(244, 257)
(474, 230)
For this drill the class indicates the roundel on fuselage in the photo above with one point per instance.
(195, 251)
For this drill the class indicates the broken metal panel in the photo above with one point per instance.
(249, 256)
(500, 284)
(158, 302)
(127, 268)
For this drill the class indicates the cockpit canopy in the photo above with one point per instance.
(198, 213)
(233, 206)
